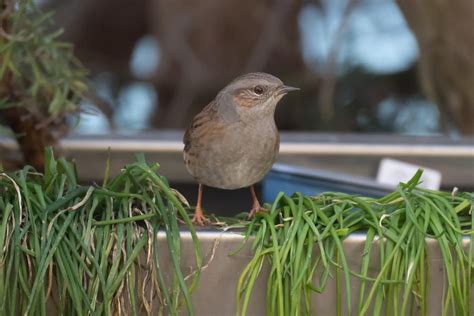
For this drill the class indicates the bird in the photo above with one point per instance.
(234, 141)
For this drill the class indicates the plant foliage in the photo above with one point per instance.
(96, 250)
(399, 225)
(38, 72)
(90, 250)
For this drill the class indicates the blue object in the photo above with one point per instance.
(290, 179)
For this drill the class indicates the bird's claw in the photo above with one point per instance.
(255, 210)
(200, 219)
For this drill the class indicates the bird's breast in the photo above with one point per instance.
(240, 157)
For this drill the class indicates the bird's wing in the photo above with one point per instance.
(205, 125)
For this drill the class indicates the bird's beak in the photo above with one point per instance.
(285, 89)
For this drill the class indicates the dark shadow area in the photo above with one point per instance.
(219, 202)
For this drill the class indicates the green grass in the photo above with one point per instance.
(91, 250)
(398, 224)
(94, 250)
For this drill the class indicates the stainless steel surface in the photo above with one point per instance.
(216, 293)
(291, 143)
(355, 154)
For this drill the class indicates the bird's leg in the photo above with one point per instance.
(256, 207)
(199, 217)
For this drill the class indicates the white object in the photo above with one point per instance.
(391, 172)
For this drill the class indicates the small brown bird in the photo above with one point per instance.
(233, 142)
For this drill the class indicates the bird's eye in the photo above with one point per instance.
(258, 90)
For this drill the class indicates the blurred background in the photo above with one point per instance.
(363, 65)
(372, 73)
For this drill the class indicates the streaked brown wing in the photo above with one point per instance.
(204, 125)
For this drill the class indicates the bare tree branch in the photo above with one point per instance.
(329, 79)
(444, 31)
(269, 36)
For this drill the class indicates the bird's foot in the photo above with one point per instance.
(200, 219)
(256, 209)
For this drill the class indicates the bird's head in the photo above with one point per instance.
(252, 96)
